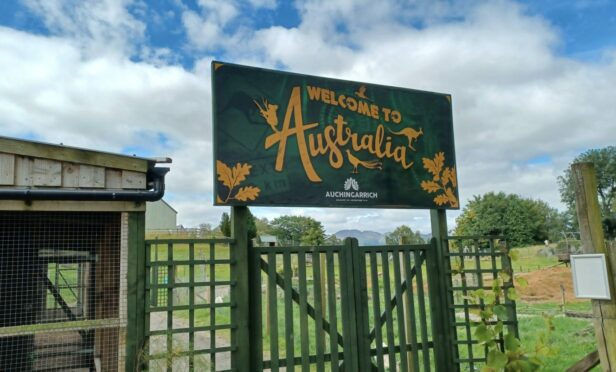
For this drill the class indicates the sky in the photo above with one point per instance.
(532, 81)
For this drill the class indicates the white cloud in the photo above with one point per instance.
(98, 26)
(515, 97)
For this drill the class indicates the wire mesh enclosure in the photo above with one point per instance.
(475, 263)
(62, 301)
(188, 305)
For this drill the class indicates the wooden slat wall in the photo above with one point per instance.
(7, 169)
(24, 171)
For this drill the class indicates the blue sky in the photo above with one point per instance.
(532, 81)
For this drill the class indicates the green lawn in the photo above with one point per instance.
(571, 339)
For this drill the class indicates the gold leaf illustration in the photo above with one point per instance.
(454, 177)
(441, 179)
(441, 199)
(446, 176)
(240, 171)
(430, 186)
(435, 166)
(453, 201)
(225, 174)
(247, 193)
(232, 177)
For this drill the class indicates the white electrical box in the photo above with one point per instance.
(590, 276)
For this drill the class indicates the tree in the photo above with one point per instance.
(403, 235)
(225, 224)
(333, 240)
(295, 230)
(604, 160)
(263, 226)
(252, 226)
(522, 221)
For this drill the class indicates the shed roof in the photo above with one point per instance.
(77, 155)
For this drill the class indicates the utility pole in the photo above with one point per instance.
(591, 234)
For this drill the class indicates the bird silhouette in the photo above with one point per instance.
(410, 134)
(361, 92)
(370, 164)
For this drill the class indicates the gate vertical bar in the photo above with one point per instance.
(439, 301)
(135, 327)
(255, 320)
(240, 335)
(351, 307)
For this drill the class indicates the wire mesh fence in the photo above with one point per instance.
(62, 301)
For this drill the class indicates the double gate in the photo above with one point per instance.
(212, 306)
(342, 308)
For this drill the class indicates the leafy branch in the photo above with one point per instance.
(444, 180)
(232, 177)
(512, 356)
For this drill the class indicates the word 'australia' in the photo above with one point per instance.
(330, 141)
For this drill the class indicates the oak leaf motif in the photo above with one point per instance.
(454, 177)
(441, 199)
(225, 174)
(435, 166)
(453, 201)
(247, 193)
(446, 177)
(430, 186)
(240, 171)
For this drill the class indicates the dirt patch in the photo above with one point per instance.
(545, 285)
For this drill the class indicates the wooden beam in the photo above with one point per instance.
(72, 154)
(586, 364)
(591, 232)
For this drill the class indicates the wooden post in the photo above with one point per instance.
(240, 334)
(135, 327)
(591, 232)
(441, 320)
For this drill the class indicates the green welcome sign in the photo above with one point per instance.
(283, 139)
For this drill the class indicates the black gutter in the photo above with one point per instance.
(155, 181)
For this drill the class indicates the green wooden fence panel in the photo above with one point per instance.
(174, 278)
(360, 309)
(475, 257)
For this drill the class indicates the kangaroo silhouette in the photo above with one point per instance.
(410, 134)
(268, 112)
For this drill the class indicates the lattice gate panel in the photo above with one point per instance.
(474, 263)
(188, 305)
(62, 305)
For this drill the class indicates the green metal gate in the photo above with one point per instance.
(343, 308)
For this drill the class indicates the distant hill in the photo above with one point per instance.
(370, 237)
(363, 237)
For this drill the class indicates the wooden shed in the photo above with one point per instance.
(72, 225)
